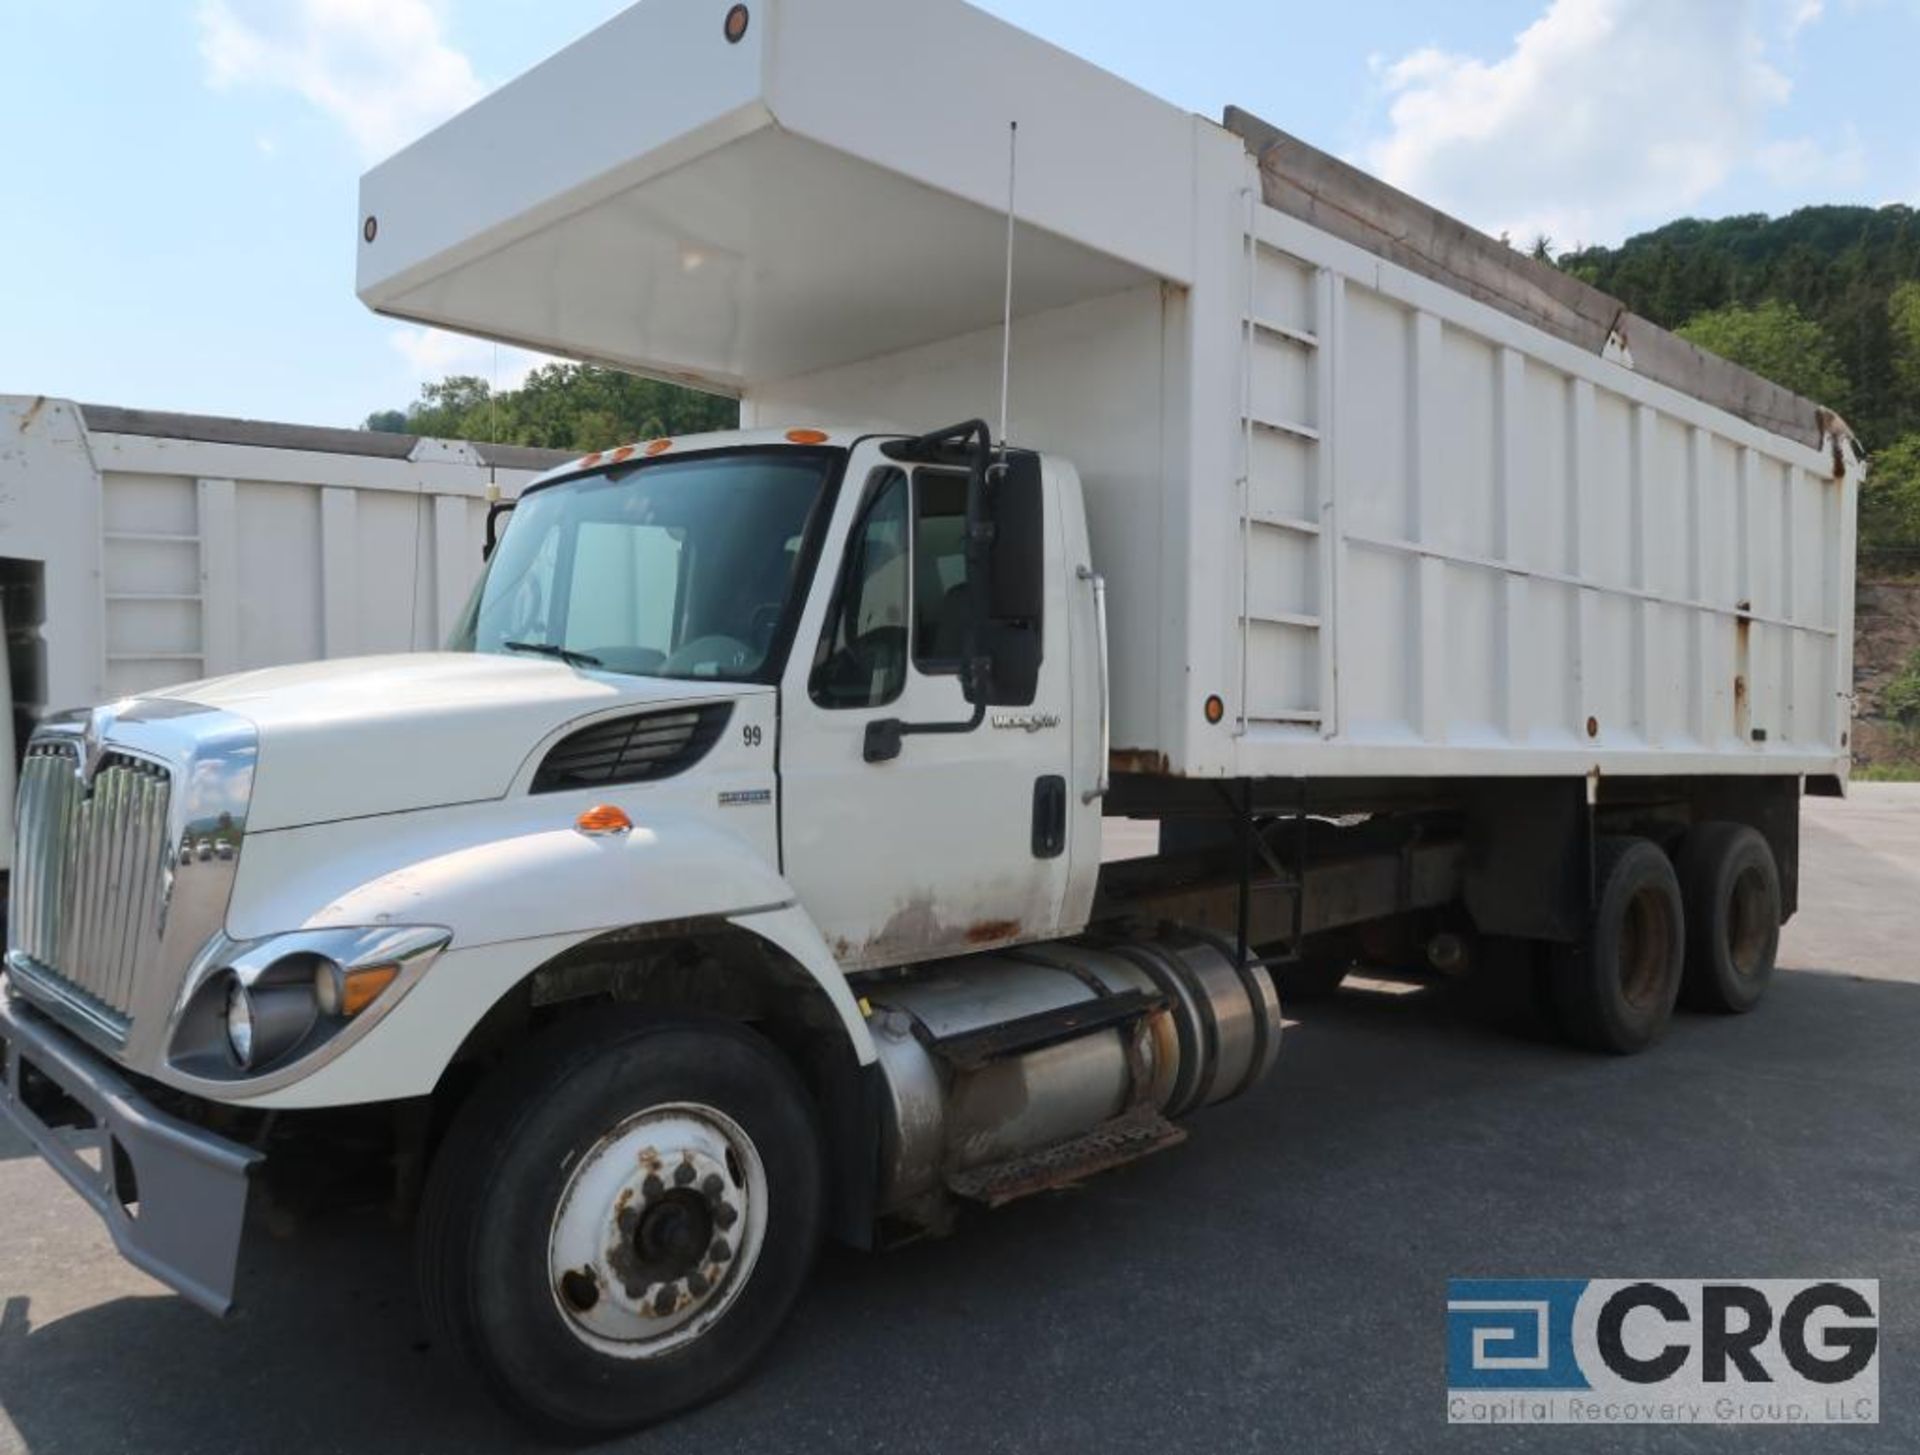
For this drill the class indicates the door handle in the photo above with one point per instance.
(1049, 817)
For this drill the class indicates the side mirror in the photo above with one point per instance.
(1006, 578)
(1010, 567)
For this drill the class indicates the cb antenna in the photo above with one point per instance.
(1006, 324)
(493, 428)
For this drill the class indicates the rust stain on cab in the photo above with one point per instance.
(992, 931)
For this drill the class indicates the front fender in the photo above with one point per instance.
(515, 891)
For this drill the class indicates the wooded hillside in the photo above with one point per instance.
(1825, 301)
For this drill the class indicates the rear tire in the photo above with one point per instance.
(621, 1218)
(1615, 991)
(1731, 887)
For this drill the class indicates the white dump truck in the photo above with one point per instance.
(734, 878)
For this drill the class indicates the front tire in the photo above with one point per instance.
(621, 1219)
(1615, 991)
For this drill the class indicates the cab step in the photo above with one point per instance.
(1127, 1137)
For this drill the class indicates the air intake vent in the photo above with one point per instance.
(633, 749)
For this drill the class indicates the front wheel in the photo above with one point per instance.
(620, 1220)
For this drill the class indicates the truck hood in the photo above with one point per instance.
(375, 735)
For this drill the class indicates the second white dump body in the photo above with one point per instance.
(1395, 529)
(140, 549)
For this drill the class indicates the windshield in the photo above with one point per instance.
(682, 569)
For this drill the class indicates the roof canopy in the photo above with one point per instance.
(828, 189)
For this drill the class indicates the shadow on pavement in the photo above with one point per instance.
(1280, 1279)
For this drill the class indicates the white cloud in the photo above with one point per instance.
(1803, 14)
(1604, 115)
(382, 69)
(1802, 164)
(432, 354)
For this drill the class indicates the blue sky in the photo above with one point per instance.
(179, 190)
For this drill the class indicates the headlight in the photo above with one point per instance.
(275, 1008)
(267, 1020)
(240, 1024)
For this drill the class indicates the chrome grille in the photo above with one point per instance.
(90, 880)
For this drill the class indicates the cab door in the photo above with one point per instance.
(962, 841)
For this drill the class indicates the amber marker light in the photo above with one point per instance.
(346, 993)
(738, 19)
(621, 455)
(360, 988)
(659, 447)
(1216, 710)
(603, 820)
(806, 436)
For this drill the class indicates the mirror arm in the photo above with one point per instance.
(885, 735)
(494, 511)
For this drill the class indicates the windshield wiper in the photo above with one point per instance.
(548, 649)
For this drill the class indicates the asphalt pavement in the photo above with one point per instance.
(1278, 1282)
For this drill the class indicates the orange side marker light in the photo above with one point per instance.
(603, 820)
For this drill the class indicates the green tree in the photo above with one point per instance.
(1900, 698)
(1890, 503)
(561, 407)
(1838, 266)
(1778, 342)
(1903, 323)
(454, 408)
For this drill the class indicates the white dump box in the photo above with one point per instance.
(140, 549)
(1409, 503)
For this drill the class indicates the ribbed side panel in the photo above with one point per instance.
(91, 873)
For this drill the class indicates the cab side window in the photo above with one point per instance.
(862, 659)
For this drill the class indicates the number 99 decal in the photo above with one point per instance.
(750, 735)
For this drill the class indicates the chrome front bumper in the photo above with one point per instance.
(188, 1185)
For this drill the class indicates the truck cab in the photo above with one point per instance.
(929, 786)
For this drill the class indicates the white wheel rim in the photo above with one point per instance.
(657, 1230)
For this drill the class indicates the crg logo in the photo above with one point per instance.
(1735, 1331)
(1663, 1351)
